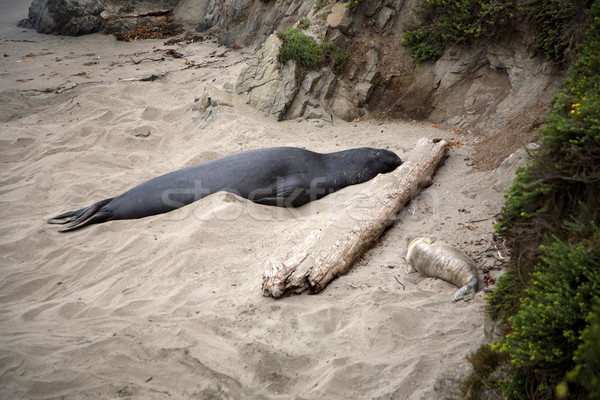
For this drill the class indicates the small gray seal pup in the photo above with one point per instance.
(277, 176)
(437, 259)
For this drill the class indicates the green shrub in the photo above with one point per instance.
(562, 183)
(587, 357)
(352, 3)
(328, 49)
(305, 50)
(423, 44)
(559, 25)
(339, 60)
(300, 47)
(320, 4)
(303, 23)
(547, 329)
(551, 226)
(443, 22)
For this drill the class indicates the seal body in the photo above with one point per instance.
(278, 176)
(434, 258)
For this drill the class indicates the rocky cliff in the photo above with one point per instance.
(241, 22)
(481, 87)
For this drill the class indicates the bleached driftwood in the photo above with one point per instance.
(327, 254)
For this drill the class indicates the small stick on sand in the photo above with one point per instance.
(146, 59)
(398, 280)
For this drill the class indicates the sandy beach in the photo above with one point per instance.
(170, 306)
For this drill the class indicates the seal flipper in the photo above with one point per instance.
(466, 292)
(82, 217)
(293, 191)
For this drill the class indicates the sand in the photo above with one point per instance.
(169, 306)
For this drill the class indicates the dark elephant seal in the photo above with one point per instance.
(278, 176)
(434, 258)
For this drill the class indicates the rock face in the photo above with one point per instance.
(241, 22)
(65, 17)
(265, 84)
(79, 17)
(273, 88)
(123, 15)
(480, 87)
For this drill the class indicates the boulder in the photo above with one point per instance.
(372, 7)
(447, 386)
(272, 88)
(241, 22)
(265, 84)
(340, 18)
(383, 17)
(502, 177)
(210, 104)
(124, 15)
(79, 17)
(344, 103)
(65, 17)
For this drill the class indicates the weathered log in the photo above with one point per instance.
(327, 253)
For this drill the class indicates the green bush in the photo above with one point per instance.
(443, 22)
(562, 183)
(587, 357)
(308, 53)
(548, 327)
(559, 25)
(328, 49)
(550, 294)
(320, 4)
(352, 3)
(300, 47)
(339, 60)
(303, 23)
(423, 44)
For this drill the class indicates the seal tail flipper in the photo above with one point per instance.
(82, 217)
(466, 292)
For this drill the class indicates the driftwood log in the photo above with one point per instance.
(327, 253)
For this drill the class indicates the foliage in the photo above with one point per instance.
(559, 25)
(320, 4)
(547, 328)
(456, 21)
(562, 182)
(352, 3)
(339, 60)
(303, 23)
(587, 357)
(423, 44)
(308, 53)
(550, 224)
(300, 47)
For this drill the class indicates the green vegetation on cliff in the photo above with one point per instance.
(549, 298)
(308, 53)
(444, 22)
(559, 25)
